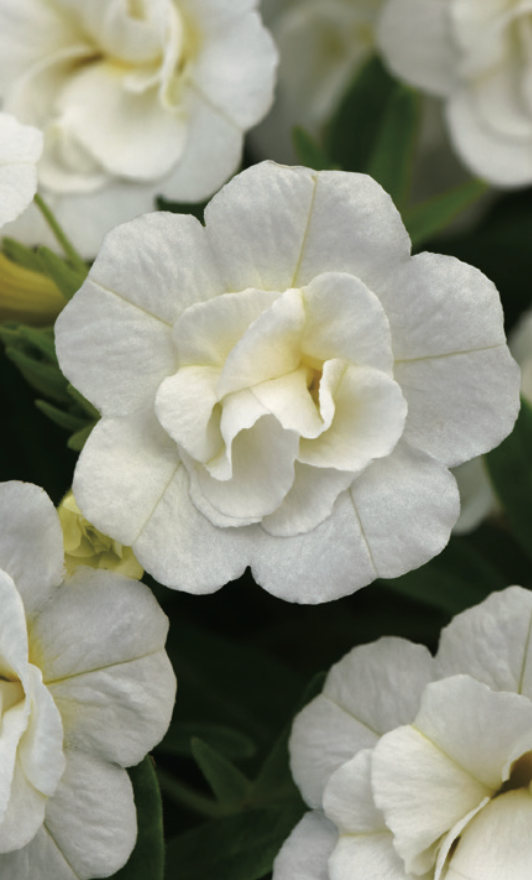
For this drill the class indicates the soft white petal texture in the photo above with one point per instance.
(115, 689)
(497, 843)
(304, 855)
(24, 814)
(20, 149)
(309, 502)
(497, 157)
(365, 846)
(92, 817)
(120, 496)
(371, 690)
(367, 238)
(427, 776)
(243, 50)
(429, 61)
(40, 854)
(492, 642)
(28, 515)
(40, 751)
(407, 504)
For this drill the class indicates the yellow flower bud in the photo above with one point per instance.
(27, 296)
(85, 545)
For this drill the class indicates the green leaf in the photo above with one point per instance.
(64, 419)
(24, 338)
(353, 131)
(428, 218)
(308, 151)
(510, 470)
(229, 742)
(46, 378)
(68, 280)
(393, 151)
(147, 859)
(78, 440)
(21, 255)
(77, 263)
(227, 782)
(240, 847)
(456, 579)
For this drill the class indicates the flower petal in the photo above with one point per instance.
(305, 854)
(185, 406)
(29, 519)
(136, 136)
(20, 149)
(491, 642)
(39, 859)
(345, 320)
(25, 810)
(371, 690)
(497, 842)
(92, 817)
(245, 51)
(309, 502)
(407, 504)
(429, 775)
(428, 62)
(125, 468)
(367, 239)
(365, 849)
(182, 549)
(257, 226)
(40, 750)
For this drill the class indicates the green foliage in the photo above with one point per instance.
(355, 127)
(229, 784)
(436, 214)
(309, 152)
(68, 279)
(197, 210)
(391, 158)
(147, 859)
(230, 743)
(510, 470)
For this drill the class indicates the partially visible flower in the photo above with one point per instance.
(85, 545)
(284, 388)
(20, 149)
(86, 689)
(477, 496)
(322, 44)
(476, 58)
(135, 99)
(27, 296)
(421, 767)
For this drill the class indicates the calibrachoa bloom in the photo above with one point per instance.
(86, 689)
(421, 767)
(284, 388)
(135, 99)
(476, 57)
(20, 149)
(85, 545)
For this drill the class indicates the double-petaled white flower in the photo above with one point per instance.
(477, 57)
(20, 150)
(421, 767)
(86, 689)
(284, 388)
(135, 98)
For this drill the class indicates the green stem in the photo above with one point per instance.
(69, 249)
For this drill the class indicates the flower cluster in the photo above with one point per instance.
(418, 766)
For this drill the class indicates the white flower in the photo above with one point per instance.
(477, 497)
(322, 43)
(421, 767)
(20, 149)
(86, 689)
(135, 99)
(476, 57)
(285, 388)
